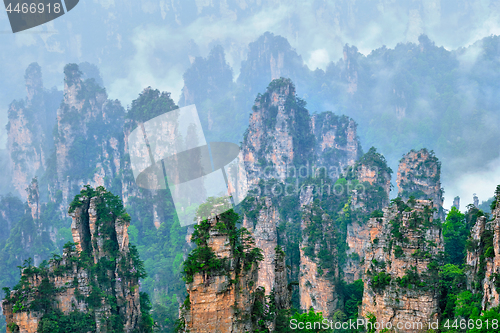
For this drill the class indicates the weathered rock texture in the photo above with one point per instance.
(358, 239)
(89, 137)
(350, 70)
(270, 57)
(419, 175)
(266, 239)
(29, 122)
(401, 267)
(337, 144)
(372, 193)
(374, 176)
(269, 140)
(98, 276)
(318, 267)
(483, 259)
(283, 141)
(221, 301)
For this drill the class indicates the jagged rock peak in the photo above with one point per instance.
(221, 277)
(91, 227)
(94, 283)
(483, 257)
(34, 82)
(210, 77)
(350, 72)
(269, 58)
(337, 143)
(419, 175)
(372, 171)
(272, 139)
(29, 121)
(401, 265)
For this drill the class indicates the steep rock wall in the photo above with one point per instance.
(318, 267)
(30, 122)
(483, 259)
(419, 175)
(97, 276)
(220, 300)
(88, 139)
(401, 265)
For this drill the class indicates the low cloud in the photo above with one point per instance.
(482, 182)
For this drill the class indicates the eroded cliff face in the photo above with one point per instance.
(419, 175)
(401, 265)
(98, 277)
(29, 122)
(372, 193)
(350, 70)
(283, 142)
(269, 140)
(483, 259)
(270, 57)
(222, 292)
(358, 239)
(265, 234)
(89, 137)
(318, 267)
(374, 176)
(337, 143)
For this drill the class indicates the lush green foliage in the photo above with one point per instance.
(112, 266)
(455, 233)
(380, 281)
(311, 322)
(496, 198)
(151, 103)
(203, 259)
(452, 282)
(352, 295)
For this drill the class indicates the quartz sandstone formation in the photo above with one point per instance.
(483, 259)
(419, 175)
(359, 236)
(74, 284)
(269, 135)
(350, 70)
(271, 150)
(266, 239)
(375, 177)
(400, 284)
(29, 122)
(270, 57)
(86, 121)
(221, 302)
(316, 282)
(337, 144)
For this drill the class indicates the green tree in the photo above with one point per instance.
(309, 322)
(455, 234)
(451, 283)
(488, 322)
